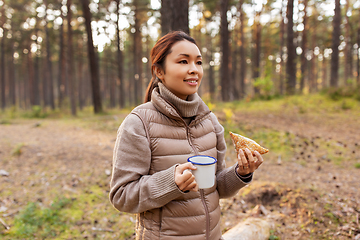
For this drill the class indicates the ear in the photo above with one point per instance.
(159, 73)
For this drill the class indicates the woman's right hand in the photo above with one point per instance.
(185, 180)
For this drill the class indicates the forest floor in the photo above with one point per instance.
(54, 176)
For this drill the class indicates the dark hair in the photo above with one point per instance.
(158, 54)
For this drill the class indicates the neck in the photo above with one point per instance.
(187, 108)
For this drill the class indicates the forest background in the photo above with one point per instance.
(73, 54)
(284, 73)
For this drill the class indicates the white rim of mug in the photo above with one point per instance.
(189, 160)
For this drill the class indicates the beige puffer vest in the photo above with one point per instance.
(195, 215)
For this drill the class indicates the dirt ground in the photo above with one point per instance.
(309, 199)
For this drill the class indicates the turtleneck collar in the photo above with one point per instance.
(187, 108)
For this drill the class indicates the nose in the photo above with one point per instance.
(193, 68)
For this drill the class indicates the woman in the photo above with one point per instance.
(155, 141)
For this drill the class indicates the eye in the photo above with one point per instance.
(199, 63)
(183, 62)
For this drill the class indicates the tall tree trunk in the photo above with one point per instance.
(234, 68)
(347, 49)
(112, 83)
(174, 16)
(291, 65)
(70, 60)
(324, 76)
(36, 87)
(224, 36)
(94, 68)
(281, 51)
(137, 56)
(12, 77)
(257, 53)
(80, 77)
(23, 87)
(210, 53)
(62, 63)
(334, 76)
(312, 81)
(31, 76)
(120, 71)
(181, 15)
(45, 69)
(49, 73)
(304, 48)
(166, 16)
(2, 60)
(242, 51)
(358, 53)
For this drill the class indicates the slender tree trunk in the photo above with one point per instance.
(131, 84)
(119, 59)
(44, 88)
(2, 61)
(324, 72)
(224, 35)
(94, 68)
(81, 84)
(281, 51)
(23, 87)
(70, 60)
(36, 87)
(62, 63)
(49, 73)
(311, 67)
(234, 69)
(31, 76)
(347, 49)
(291, 65)
(112, 85)
(334, 77)
(257, 33)
(12, 77)
(358, 53)
(211, 67)
(137, 56)
(242, 51)
(304, 48)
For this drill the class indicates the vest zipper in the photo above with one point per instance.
(207, 214)
(160, 221)
(189, 139)
(202, 193)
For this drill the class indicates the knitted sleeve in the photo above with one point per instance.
(228, 182)
(132, 189)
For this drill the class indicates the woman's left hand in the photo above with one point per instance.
(247, 163)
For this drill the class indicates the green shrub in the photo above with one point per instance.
(342, 92)
(34, 222)
(36, 112)
(265, 86)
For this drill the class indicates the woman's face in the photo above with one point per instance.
(183, 69)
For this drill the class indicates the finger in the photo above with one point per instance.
(259, 160)
(242, 163)
(249, 155)
(244, 160)
(190, 184)
(194, 187)
(251, 160)
(182, 167)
